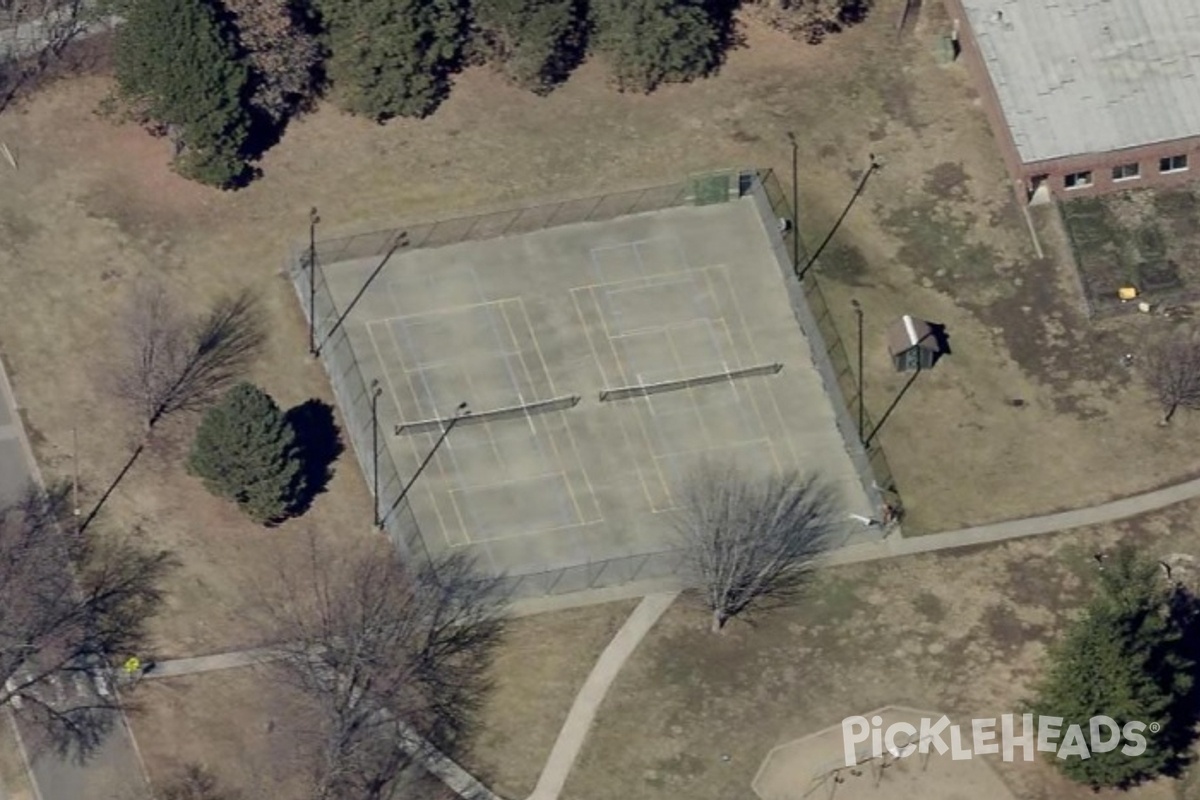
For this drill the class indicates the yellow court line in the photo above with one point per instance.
(387, 377)
(587, 333)
(724, 271)
(558, 459)
(649, 445)
(559, 474)
(445, 310)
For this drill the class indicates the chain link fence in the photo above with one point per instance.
(354, 395)
(815, 319)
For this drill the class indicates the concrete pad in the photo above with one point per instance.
(576, 310)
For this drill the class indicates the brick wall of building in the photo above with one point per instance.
(1056, 171)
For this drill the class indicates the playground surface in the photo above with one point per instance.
(577, 320)
(814, 768)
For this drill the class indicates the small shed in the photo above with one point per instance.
(913, 344)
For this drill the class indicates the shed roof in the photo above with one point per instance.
(909, 332)
(1086, 76)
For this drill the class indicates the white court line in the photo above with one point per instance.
(500, 485)
(444, 311)
(642, 280)
(723, 448)
(641, 427)
(670, 326)
(558, 459)
(387, 378)
(650, 282)
(587, 333)
(762, 420)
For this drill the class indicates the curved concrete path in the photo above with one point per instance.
(656, 601)
(587, 702)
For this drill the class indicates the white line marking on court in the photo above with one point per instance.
(723, 271)
(583, 469)
(587, 333)
(637, 466)
(641, 281)
(537, 347)
(503, 485)
(441, 312)
(387, 377)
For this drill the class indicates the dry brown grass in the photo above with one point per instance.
(93, 208)
(963, 634)
(539, 669)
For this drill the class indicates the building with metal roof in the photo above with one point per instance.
(1087, 96)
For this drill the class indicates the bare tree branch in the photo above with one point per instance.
(171, 362)
(70, 607)
(1173, 370)
(750, 540)
(384, 654)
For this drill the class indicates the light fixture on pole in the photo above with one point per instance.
(460, 413)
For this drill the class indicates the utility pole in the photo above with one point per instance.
(861, 399)
(313, 219)
(75, 478)
(795, 203)
(376, 390)
(460, 413)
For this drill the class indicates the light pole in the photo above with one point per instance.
(460, 413)
(376, 390)
(313, 219)
(858, 312)
(795, 203)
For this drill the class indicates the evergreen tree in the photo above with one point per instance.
(535, 42)
(177, 65)
(1123, 659)
(245, 450)
(392, 57)
(649, 42)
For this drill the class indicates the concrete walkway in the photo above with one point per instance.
(587, 702)
(657, 597)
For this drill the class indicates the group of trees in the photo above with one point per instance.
(1131, 656)
(270, 462)
(222, 77)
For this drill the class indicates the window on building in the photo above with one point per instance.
(1125, 172)
(1078, 180)
(1172, 164)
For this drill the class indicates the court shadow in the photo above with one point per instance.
(320, 442)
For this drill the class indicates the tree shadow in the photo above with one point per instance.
(320, 442)
(1184, 713)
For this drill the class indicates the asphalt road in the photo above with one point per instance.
(115, 771)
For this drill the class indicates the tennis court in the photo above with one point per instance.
(647, 343)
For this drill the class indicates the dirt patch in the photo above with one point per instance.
(1143, 239)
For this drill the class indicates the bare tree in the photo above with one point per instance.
(388, 657)
(1172, 371)
(71, 607)
(748, 539)
(34, 35)
(172, 362)
(196, 782)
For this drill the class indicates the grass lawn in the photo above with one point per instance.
(237, 721)
(93, 209)
(959, 634)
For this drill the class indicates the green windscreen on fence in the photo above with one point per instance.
(706, 190)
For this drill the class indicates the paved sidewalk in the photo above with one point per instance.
(587, 702)
(116, 769)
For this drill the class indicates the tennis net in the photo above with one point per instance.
(644, 389)
(509, 412)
